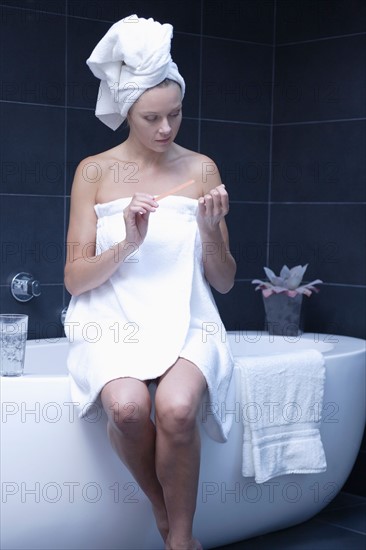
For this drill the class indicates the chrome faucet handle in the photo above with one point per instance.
(63, 315)
(24, 287)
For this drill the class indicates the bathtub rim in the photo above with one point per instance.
(341, 346)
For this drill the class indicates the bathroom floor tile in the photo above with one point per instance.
(353, 518)
(311, 535)
(343, 500)
(341, 525)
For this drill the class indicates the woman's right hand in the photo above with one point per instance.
(136, 216)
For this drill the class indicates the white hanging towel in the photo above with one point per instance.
(153, 310)
(282, 400)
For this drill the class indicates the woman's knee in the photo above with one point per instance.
(178, 398)
(176, 416)
(127, 405)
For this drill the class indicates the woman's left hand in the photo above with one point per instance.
(212, 208)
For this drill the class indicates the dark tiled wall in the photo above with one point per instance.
(318, 192)
(275, 95)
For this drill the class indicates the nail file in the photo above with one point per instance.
(174, 190)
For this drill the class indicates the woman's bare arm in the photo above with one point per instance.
(219, 264)
(84, 270)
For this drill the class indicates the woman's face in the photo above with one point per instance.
(156, 117)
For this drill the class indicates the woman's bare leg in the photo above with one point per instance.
(177, 401)
(132, 435)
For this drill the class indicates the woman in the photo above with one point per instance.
(139, 276)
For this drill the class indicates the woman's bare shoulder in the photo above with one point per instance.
(202, 169)
(198, 162)
(93, 170)
(194, 156)
(99, 160)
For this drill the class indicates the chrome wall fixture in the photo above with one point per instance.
(24, 287)
(63, 315)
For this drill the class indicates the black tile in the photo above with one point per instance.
(336, 310)
(350, 518)
(298, 20)
(241, 309)
(186, 54)
(247, 224)
(343, 500)
(32, 230)
(82, 85)
(188, 134)
(236, 81)
(241, 153)
(44, 311)
(32, 149)
(363, 444)
(330, 238)
(356, 483)
(184, 15)
(311, 535)
(51, 6)
(33, 69)
(251, 20)
(321, 80)
(319, 162)
(86, 136)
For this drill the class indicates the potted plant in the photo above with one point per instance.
(282, 298)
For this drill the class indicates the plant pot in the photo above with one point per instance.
(283, 314)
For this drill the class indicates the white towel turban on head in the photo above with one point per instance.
(132, 57)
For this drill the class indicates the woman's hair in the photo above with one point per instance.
(166, 82)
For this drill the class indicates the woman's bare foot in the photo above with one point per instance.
(192, 544)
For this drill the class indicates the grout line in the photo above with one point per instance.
(344, 285)
(215, 37)
(244, 122)
(46, 105)
(322, 39)
(269, 195)
(65, 134)
(334, 524)
(301, 203)
(31, 195)
(219, 120)
(326, 121)
(244, 202)
(200, 70)
(340, 285)
(4, 285)
(318, 203)
(32, 104)
(44, 12)
(343, 507)
(226, 39)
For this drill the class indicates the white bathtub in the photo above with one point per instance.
(64, 488)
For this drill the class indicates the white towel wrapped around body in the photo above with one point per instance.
(150, 312)
(133, 56)
(282, 400)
